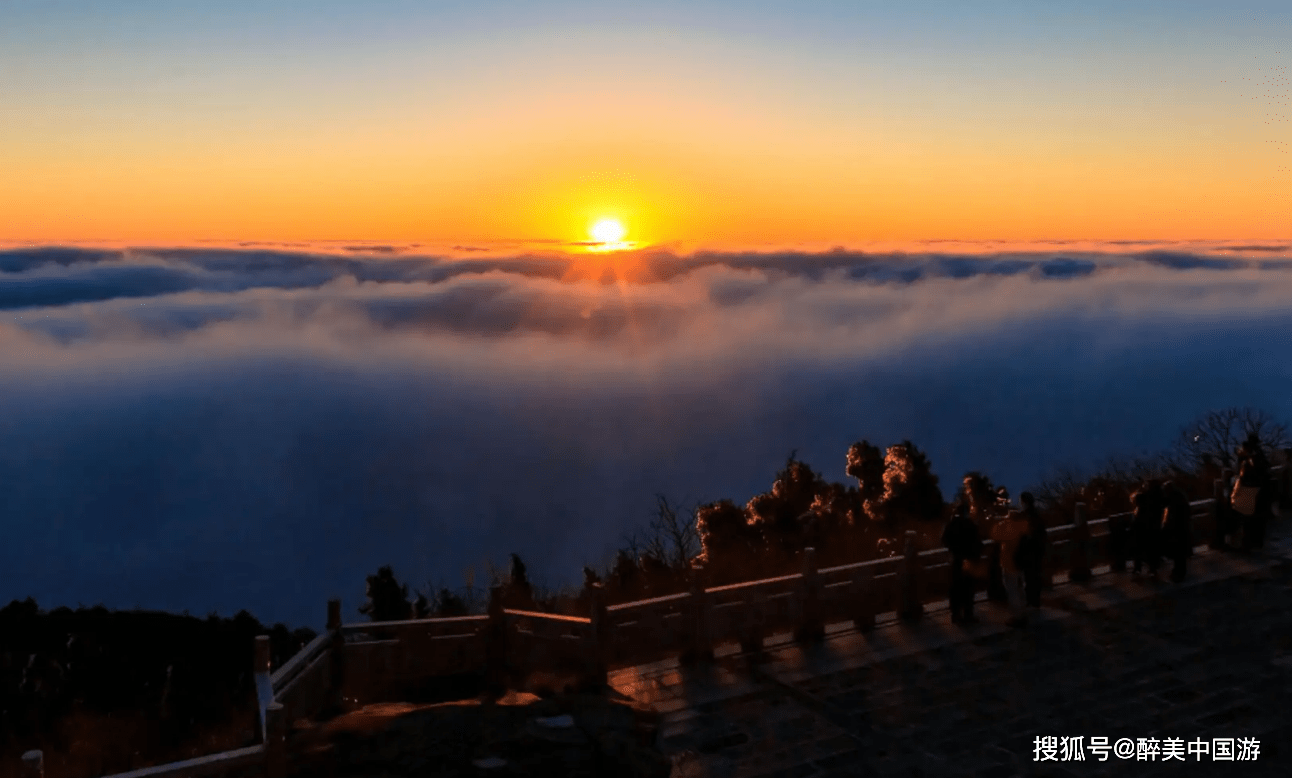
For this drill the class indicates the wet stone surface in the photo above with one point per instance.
(1211, 659)
(575, 735)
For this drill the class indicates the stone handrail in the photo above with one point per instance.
(293, 667)
(445, 626)
(659, 620)
(241, 760)
(542, 617)
(662, 601)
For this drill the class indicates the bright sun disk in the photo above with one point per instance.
(608, 231)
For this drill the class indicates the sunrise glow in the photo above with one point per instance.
(437, 128)
(608, 231)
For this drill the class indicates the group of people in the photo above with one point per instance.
(1019, 559)
(1158, 527)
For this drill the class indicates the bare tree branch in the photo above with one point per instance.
(1216, 436)
(676, 538)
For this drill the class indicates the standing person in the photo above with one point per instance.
(1247, 504)
(1033, 549)
(1008, 534)
(1146, 525)
(1254, 476)
(965, 544)
(996, 589)
(1252, 451)
(1177, 540)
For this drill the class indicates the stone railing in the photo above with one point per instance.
(380, 659)
(354, 664)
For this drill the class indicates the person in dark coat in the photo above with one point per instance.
(1032, 550)
(1252, 451)
(965, 544)
(1177, 540)
(996, 591)
(1146, 525)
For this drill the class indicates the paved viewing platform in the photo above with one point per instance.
(1119, 656)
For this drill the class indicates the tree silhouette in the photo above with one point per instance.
(421, 607)
(781, 515)
(910, 487)
(1215, 436)
(517, 591)
(979, 494)
(1105, 495)
(625, 575)
(134, 688)
(449, 604)
(387, 597)
(656, 573)
(866, 464)
(673, 540)
(665, 555)
(835, 509)
(725, 535)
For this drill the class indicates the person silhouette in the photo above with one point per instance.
(1146, 525)
(1176, 537)
(965, 544)
(1009, 533)
(1032, 550)
(1254, 491)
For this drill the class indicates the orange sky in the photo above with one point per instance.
(683, 130)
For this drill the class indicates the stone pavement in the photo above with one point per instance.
(1120, 657)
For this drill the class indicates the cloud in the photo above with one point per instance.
(1181, 261)
(23, 260)
(217, 428)
(1280, 247)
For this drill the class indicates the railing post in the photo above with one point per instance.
(33, 764)
(700, 645)
(1219, 514)
(751, 640)
(812, 625)
(598, 635)
(337, 651)
(862, 596)
(276, 740)
(911, 607)
(1285, 481)
(1079, 569)
(262, 654)
(264, 682)
(1118, 543)
(496, 675)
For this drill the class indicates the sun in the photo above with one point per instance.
(608, 231)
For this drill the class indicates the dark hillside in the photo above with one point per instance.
(104, 691)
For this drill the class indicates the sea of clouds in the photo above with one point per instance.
(260, 427)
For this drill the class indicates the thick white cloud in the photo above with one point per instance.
(201, 428)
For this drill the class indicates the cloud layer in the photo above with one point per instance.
(260, 427)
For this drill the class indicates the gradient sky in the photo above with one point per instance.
(718, 124)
